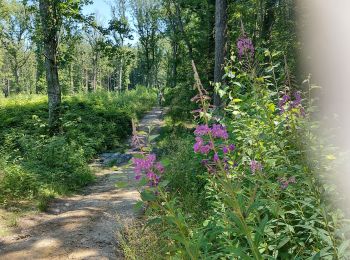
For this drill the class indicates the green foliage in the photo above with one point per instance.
(246, 215)
(184, 172)
(37, 166)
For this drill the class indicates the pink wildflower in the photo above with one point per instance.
(202, 130)
(255, 166)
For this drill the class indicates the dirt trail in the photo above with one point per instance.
(83, 226)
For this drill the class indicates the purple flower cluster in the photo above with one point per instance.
(217, 131)
(255, 166)
(201, 146)
(296, 103)
(283, 102)
(150, 167)
(204, 145)
(284, 183)
(202, 130)
(297, 100)
(245, 47)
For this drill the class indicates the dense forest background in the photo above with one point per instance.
(93, 57)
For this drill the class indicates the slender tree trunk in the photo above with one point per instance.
(269, 18)
(71, 80)
(121, 74)
(16, 76)
(94, 80)
(8, 88)
(86, 80)
(174, 67)
(49, 20)
(220, 43)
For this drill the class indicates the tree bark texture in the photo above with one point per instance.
(50, 27)
(220, 43)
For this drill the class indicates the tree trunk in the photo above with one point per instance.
(269, 18)
(220, 43)
(71, 79)
(86, 80)
(49, 18)
(16, 76)
(8, 88)
(174, 67)
(121, 74)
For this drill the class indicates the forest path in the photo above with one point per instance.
(82, 226)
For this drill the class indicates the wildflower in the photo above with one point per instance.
(216, 157)
(245, 47)
(284, 183)
(202, 130)
(197, 146)
(160, 168)
(232, 147)
(205, 162)
(205, 149)
(148, 166)
(219, 131)
(150, 175)
(292, 180)
(283, 102)
(297, 100)
(255, 166)
(225, 149)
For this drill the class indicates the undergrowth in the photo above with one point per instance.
(37, 167)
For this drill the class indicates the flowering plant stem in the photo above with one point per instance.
(226, 182)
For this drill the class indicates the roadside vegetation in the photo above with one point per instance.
(35, 166)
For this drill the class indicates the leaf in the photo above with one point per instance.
(239, 253)
(147, 195)
(153, 137)
(143, 181)
(271, 107)
(260, 230)
(166, 162)
(164, 183)
(138, 155)
(206, 223)
(138, 206)
(283, 242)
(317, 256)
(238, 84)
(121, 184)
